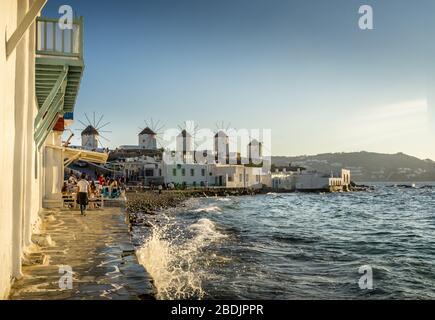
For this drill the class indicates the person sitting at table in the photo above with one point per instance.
(114, 186)
(64, 189)
(72, 179)
(94, 189)
(101, 180)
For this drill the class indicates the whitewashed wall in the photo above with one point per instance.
(147, 142)
(8, 17)
(238, 176)
(187, 178)
(312, 181)
(20, 190)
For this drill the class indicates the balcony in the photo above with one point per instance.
(59, 69)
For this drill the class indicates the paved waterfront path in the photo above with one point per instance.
(97, 248)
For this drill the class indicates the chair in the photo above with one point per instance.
(69, 201)
(96, 202)
(105, 192)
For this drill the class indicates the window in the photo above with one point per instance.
(194, 184)
(192, 172)
(241, 178)
(174, 172)
(203, 172)
(258, 179)
(230, 178)
(183, 172)
(149, 172)
(160, 172)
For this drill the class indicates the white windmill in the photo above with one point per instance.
(149, 137)
(91, 134)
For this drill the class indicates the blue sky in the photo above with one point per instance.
(301, 68)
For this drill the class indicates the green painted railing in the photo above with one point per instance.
(53, 41)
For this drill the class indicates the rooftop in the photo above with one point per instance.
(89, 131)
(148, 131)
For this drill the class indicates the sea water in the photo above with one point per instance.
(295, 246)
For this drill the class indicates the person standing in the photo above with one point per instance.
(83, 192)
(101, 180)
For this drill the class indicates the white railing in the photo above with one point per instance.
(53, 41)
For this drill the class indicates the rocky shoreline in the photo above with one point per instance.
(141, 203)
(151, 203)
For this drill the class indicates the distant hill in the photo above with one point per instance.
(367, 166)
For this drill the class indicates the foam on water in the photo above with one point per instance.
(173, 260)
(209, 209)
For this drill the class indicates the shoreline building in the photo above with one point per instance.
(181, 167)
(144, 170)
(187, 174)
(239, 176)
(298, 179)
(41, 67)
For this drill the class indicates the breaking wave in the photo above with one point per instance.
(209, 209)
(173, 259)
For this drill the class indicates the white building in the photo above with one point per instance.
(189, 175)
(33, 115)
(21, 190)
(215, 175)
(239, 176)
(145, 170)
(217, 170)
(311, 181)
(284, 180)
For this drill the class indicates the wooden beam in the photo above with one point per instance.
(29, 18)
(49, 100)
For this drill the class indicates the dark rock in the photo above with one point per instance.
(146, 296)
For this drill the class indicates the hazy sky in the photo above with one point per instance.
(301, 68)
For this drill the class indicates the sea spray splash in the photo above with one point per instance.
(210, 209)
(173, 255)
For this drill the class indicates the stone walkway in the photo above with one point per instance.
(98, 250)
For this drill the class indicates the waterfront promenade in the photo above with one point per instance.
(97, 248)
